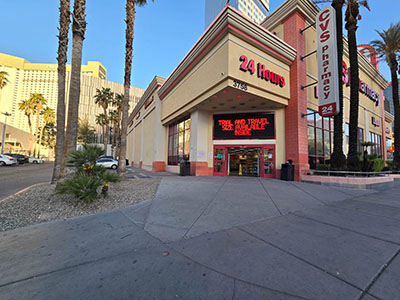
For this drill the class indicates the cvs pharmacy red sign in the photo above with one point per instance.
(328, 81)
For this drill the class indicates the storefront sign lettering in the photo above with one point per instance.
(236, 126)
(262, 72)
(376, 122)
(328, 87)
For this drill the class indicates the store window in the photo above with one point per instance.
(320, 138)
(179, 141)
(376, 149)
(360, 139)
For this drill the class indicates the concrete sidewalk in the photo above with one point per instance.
(215, 238)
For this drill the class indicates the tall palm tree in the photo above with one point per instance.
(61, 72)
(130, 22)
(27, 106)
(338, 159)
(101, 120)
(118, 104)
(352, 15)
(86, 132)
(78, 35)
(388, 48)
(48, 116)
(3, 81)
(104, 98)
(39, 102)
(114, 121)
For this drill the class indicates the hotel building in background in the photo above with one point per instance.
(26, 78)
(257, 10)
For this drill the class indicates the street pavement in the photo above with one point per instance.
(215, 238)
(16, 178)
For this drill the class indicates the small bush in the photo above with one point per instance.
(323, 167)
(81, 185)
(378, 165)
(88, 177)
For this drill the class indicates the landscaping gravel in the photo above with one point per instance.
(39, 204)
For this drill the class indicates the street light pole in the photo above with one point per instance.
(4, 131)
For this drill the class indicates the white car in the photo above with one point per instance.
(33, 160)
(107, 163)
(6, 160)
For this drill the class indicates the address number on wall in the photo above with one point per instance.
(240, 85)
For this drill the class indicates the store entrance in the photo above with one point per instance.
(244, 161)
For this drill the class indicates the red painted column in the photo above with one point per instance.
(295, 125)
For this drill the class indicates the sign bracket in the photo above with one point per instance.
(309, 26)
(307, 55)
(308, 85)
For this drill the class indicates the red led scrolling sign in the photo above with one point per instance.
(237, 126)
(243, 126)
(262, 72)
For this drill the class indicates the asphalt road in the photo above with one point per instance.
(16, 178)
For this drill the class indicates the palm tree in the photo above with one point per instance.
(3, 81)
(352, 15)
(27, 106)
(61, 72)
(118, 104)
(130, 22)
(104, 98)
(338, 159)
(102, 121)
(78, 35)
(114, 121)
(48, 116)
(39, 102)
(86, 132)
(388, 48)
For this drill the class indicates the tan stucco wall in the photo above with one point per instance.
(137, 133)
(148, 139)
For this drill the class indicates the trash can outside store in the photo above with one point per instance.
(287, 171)
(184, 168)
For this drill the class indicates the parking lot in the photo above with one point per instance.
(16, 178)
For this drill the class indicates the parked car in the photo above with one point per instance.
(107, 163)
(19, 157)
(6, 160)
(106, 156)
(33, 160)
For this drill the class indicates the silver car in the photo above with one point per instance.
(33, 160)
(6, 160)
(107, 163)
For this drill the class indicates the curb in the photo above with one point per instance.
(23, 190)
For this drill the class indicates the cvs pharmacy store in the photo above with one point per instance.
(234, 106)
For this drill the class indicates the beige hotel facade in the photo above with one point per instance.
(26, 78)
(236, 103)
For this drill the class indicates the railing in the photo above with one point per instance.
(350, 173)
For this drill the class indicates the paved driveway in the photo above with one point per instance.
(215, 238)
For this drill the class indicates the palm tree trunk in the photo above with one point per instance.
(130, 21)
(78, 29)
(61, 72)
(30, 135)
(353, 160)
(395, 91)
(105, 141)
(40, 140)
(38, 108)
(338, 159)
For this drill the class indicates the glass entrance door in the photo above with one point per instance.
(268, 161)
(220, 161)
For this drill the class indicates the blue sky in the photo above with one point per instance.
(164, 32)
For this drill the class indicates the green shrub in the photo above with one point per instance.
(378, 165)
(81, 185)
(88, 177)
(323, 167)
(85, 156)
